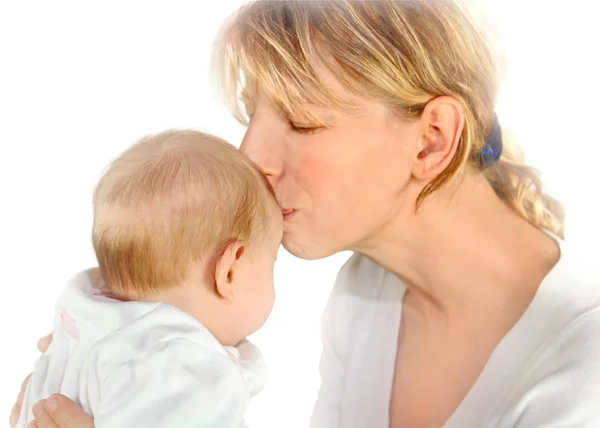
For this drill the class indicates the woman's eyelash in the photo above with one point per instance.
(303, 129)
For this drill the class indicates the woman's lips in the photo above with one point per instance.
(287, 213)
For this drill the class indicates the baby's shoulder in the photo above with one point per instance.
(162, 337)
(166, 366)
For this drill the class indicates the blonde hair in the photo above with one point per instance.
(170, 200)
(402, 53)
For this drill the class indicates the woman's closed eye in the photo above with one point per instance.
(305, 128)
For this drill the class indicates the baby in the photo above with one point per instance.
(186, 233)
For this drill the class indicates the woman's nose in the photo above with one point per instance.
(260, 147)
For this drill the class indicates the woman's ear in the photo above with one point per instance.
(442, 122)
(226, 270)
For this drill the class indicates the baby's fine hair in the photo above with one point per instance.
(173, 199)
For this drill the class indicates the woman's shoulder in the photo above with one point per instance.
(572, 288)
(566, 307)
(571, 295)
(562, 387)
(565, 327)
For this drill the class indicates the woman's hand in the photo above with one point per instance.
(16, 410)
(42, 345)
(59, 412)
(55, 412)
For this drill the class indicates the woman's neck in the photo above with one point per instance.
(464, 251)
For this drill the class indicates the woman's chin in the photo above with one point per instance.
(305, 250)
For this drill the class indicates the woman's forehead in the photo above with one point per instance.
(307, 102)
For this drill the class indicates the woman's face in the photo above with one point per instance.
(338, 187)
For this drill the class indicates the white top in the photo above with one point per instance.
(141, 364)
(544, 373)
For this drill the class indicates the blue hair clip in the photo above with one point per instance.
(491, 152)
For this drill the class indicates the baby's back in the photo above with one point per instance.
(138, 364)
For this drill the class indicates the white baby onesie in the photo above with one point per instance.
(141, 364)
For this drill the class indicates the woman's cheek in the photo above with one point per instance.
(310, 169)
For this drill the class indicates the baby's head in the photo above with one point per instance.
(182, 217)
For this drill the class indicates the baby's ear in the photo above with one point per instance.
(226, 269)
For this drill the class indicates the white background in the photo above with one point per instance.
(81, 81)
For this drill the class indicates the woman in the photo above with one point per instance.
(375, 124)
